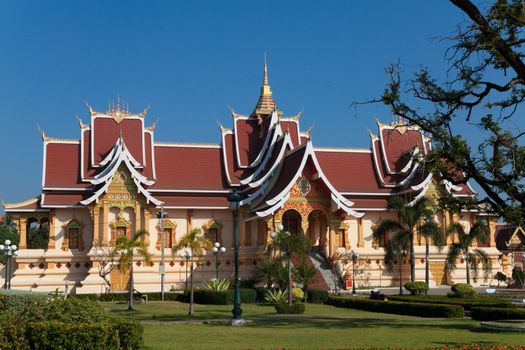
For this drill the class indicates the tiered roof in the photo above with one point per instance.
(262, 156)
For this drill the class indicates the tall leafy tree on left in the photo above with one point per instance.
(8, 231)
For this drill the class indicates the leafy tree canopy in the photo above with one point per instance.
(484, 89)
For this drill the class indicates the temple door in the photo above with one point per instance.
(119, 280)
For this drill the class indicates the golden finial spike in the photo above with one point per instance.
(265, 77)
(118, 103)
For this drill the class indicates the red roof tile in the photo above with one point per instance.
(62, 165)
(66, 199)
(106, 132)
(193, 201)
(398, 146)
(189, 168)
(250, 137)
(293, 128)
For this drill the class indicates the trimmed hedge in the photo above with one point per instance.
(113, 297)
(317, 296)
(204, 296)
(417, 288)
(296, 308)
(17, 300)
(462, 290)
(493, 313)
(466, 303)
(400, 308)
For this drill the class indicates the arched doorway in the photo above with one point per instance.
(317, 229)
(292, 221)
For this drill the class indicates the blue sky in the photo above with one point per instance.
(190, 60)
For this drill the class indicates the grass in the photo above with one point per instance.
(360, 329)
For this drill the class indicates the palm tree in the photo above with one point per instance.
(396, 251)
(461, 249)
(126, 249)
(430, 231)
(410, 215)
(288, 244)
(195, 242)
(305, 274)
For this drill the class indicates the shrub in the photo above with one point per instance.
(492, 313)
(248, 295)
(129, 332)
(462, 290)
(500, 277)
(417, 288)
(64, 310)
(317, 296)
(401, 308)
(467, 303)
(276, 296)
(17, 300)
(297, 294)
(296, 308)
(217, 285)
(518, 277)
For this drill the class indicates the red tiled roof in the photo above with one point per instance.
(293, 129)
(350, 171)
(397, 146)
(148, 167)
(503, 235)
(62, 165)
(250, 137)
(188, 168)
(89, 172)
(235, 173)
(369, 203)
(193, 201)
(29, 205)
(106, 132)
(53, 199)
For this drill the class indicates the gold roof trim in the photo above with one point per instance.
(118, 111)
(20, 204)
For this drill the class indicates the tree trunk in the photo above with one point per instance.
(427, 263)
(467, 267)
(131, 287)
(190, 313)
(290, 299)
(401, 276)
(412, 257)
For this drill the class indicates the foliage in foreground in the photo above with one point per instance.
(492, 313)
(400, 308)
(55, 323)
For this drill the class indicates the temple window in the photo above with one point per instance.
(120, 228)
(72, 236)
(169, 235)
(212, 231)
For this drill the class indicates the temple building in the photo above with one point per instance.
(116, 176)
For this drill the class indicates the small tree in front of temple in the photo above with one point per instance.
(106, 259)
(196, 245)
(395, 252)
(462, 250)
(127, 248)
(8, 232)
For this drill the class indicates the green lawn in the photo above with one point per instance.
(361, 329)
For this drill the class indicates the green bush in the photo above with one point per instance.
(248, 295)
(462, 290)
(492, 313)
(317, 296)
(204, 296)
(417, 288)
(17, 300)
(400, 308)
(129, 332)
(296, 308)
(467, 303)
(64, 310)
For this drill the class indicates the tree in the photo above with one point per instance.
(8, 231)
(287, 244)
(410, 215)
(485, 87)
(272, 271)
(305, 274)
(126, 249)
(106, 258)
(395, 251)
(462, 250)
(431, 232)
(195, 242)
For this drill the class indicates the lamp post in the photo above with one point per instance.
(234, 198)
(9, 250)
(355, 256)
(216, 250)
(162, 266)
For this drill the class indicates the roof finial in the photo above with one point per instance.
(118, 103)
(265, 77)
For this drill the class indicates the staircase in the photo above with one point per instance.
(323, 274)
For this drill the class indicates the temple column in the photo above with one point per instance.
(52, 234)
(23, 232)
(138, 217)
(446, 223)
(304, 226)
(147, 219)
(360, 238)
(105, 225)
(189, 218)
(96, 225)
(492, 222)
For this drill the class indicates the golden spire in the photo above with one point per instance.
(266, 104)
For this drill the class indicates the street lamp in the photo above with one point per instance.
(216, 250)
(162, 267)
(355, 255)
(9, 250)
(234, 198)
